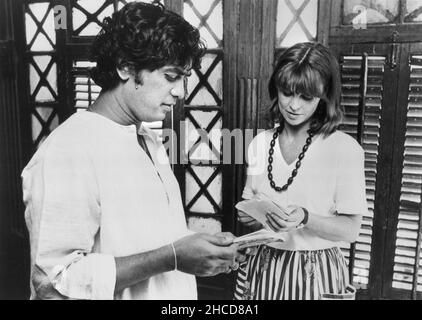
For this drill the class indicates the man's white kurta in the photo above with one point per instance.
(93, 194)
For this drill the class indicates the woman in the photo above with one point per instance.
(103, 207)
(314, 173)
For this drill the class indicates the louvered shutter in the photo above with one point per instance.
(407, 272)
(362, 79)
(86, 91)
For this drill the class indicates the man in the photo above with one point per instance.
(105, 216)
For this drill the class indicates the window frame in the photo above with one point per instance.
(374, 33)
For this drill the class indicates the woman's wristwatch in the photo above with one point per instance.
(305, 218)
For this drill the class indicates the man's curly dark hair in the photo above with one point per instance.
(143, 36)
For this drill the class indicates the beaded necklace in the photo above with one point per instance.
(298, 162)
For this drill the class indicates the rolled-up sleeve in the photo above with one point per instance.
(251, 160)
(256, 164)
(63, 218)
(350, 196)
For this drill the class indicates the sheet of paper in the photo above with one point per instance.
(259, 208)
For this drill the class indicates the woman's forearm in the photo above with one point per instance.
(338, 228)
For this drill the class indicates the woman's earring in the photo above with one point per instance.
(136, 86)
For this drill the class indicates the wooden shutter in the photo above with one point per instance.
(362, 86)
(85, 89)
(407, 271)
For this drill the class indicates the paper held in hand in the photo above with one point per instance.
(258, 209)
(257, 238)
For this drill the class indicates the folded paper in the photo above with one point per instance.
(260, 237)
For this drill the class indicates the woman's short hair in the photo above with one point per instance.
(309, 69)
(143, 36)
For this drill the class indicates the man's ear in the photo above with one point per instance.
(123, 73)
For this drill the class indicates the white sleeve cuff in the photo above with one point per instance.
(91, 278)
(104, 277)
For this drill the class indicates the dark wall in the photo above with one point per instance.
(14, 248)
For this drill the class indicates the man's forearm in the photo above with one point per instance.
(136, 268)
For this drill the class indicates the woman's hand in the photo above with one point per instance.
(248, 221)
(289, 220)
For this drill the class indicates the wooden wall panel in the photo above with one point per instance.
(14, 254)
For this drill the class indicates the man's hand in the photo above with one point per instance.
(207, 255)
(240, 254)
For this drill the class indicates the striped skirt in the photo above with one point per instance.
(274, 274)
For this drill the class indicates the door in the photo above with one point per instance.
(14, 249)
(403, 272)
